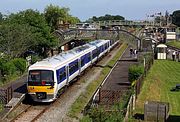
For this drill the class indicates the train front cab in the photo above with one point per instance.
(41, 85)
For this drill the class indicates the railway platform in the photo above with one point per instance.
(116, 83)
(118, 78)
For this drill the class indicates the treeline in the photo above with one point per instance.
(176, 18)
(32, 30)
(29, 32)
(106, 17)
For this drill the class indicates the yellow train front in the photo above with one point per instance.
(41, 86)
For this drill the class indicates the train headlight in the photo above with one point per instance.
(41, 95)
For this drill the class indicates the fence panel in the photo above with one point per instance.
(109, 97)
(5, 95)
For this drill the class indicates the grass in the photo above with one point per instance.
(162, 77)
(83, 99)
(8, 79)
(174, 44)
(1, 107)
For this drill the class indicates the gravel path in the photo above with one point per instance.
(58, 113)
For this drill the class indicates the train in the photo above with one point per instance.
(48, 77)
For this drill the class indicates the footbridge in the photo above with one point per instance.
(80, 34)
(112, 23)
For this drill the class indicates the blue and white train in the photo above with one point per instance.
(47, 77)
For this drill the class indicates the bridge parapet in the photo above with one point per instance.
(126, 23)
(74, 34)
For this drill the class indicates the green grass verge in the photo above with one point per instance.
(162, 77)
(174, 44)
(83, 99)
(8, 79)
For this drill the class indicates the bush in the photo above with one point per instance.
(2, 62)
(9, 68)
(134, 72)
(148, 56)
(86, 119)
(35, 58)
(13, 66)
(20, 64)
(100, 115)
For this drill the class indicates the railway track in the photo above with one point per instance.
(31, 113)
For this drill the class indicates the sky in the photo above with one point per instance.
(84, 9)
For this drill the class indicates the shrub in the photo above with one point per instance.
(100, 115)
(35, 58)
(20, 64)
(135, 71)
(148, 56)
(9, 68)
(2, 62)
(86, 119)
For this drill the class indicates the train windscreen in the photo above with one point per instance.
(40, 78)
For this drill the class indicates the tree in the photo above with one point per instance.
(176, 18)
(15, 39)
(41, 32)
(72, 20)
(157, 19)
(107, 17)
(55, 14)
(1, 17)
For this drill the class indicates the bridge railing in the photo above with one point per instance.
(126, 23)
(122, 23)
(74, 34)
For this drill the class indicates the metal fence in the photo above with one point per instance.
(110, 97)
(139, 81)
(5, 95)
(130, 108)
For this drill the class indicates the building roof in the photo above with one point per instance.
(161, 45)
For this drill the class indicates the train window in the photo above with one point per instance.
(62, 75)
(88, 57)
(76, 66)
(46, 76)
(83, 61)
(73, 67)
(34, 76)
(40, 77)
(95, 53)
(98, 51)
(101, 49)
(106, 46)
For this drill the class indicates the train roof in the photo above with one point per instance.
(62, 58)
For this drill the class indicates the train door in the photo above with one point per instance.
(91, 56)
(79, 65)
(109, 46)
(67, 75)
